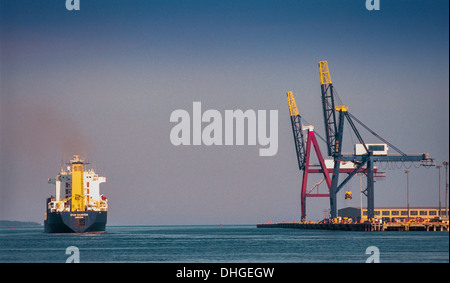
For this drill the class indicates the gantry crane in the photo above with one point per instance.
(364, 155)
(304, 152)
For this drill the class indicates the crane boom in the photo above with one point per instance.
(297, 131)
(329, 113)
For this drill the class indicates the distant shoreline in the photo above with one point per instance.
(12, 224)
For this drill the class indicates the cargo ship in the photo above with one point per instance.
(77, 206)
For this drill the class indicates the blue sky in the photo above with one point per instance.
(104, 80)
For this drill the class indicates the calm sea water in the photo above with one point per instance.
(221, 244)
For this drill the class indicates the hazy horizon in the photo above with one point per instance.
(103, 81)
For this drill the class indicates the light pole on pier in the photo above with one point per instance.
(445, 163)
(407, 190)
(438, 167)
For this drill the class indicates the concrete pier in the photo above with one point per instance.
(391, 226)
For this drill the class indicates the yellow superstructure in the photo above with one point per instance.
(77, 189)
(77, 186)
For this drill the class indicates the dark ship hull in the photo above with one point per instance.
(75, 222)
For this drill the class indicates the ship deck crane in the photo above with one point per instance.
(334, 129)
